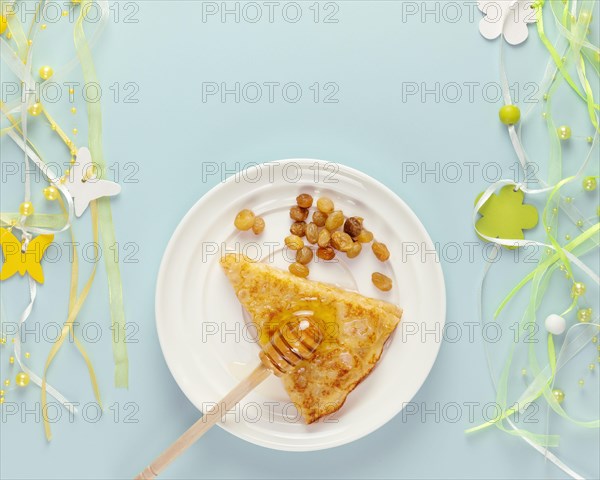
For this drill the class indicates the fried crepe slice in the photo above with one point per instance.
(355, 328)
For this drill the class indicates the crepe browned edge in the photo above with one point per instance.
(235, 265)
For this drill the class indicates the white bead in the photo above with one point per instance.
(555, 324)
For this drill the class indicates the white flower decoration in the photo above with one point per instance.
(508, 18)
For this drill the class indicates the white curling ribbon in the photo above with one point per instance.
(17, 347)
(53, 178)
(542, 450)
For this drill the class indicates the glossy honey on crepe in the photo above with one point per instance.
(355, 330)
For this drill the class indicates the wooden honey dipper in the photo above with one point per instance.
(294, 341)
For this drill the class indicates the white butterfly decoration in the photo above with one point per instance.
(508, 18)
(84, 186)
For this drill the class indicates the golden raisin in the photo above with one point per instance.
(299, 270)
(326, 253)
(319, 218)
(381, 251)
(381, 281)
(312, 233)
(364, 237)
(341, 241)
(298, 214)
(244, 220)
(259, 225)
(324, 238)
(304, 200)
(334, 220)
(294, 242)
(304, 255)
(325, 205)
(355, 250)
(298, 228)
(353, 226)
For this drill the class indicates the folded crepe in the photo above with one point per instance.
(355, 329)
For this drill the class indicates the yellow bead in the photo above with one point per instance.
(548, 228)
(590, 139)
(1, 400)
(73, 110)
(64, 13)
(75, 131)
(567, 237)
(22, 379)
(46, 72)
(30, 42)
(523, 372)
(569, 199)
(6, 383)
(509, 114)
(35, 109)
(1, 393)
(53, 127)
(76, 2)
(544, 114)
(44, 26)
(9, 35)
(584, 315)
(3, 24)
(51, 193)
(555, 210)
(26, 209)
(592, 366)
(578, 289)
(581, 382)
(589, 184)
(27, 354)
(71, 91)
(594, 339)
(564, 132)
(545, 96)
(2, 341)
(559, 395)
(11, 360)
(579, 223)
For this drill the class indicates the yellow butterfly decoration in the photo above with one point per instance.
(17, 259)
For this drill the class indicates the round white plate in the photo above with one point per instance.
(203, 331)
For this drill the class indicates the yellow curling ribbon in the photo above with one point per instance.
(104, 211)
(75, 304)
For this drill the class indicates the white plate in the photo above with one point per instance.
(203, 332)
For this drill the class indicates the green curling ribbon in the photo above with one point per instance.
(573, 31)
(107, 231)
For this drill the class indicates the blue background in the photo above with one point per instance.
(172, 135)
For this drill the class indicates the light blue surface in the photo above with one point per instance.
(172, 135)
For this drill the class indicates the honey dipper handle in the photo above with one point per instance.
(199, 428)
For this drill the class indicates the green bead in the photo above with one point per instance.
(589, 184)
(584, 315)
(509, 114)
(559, 395)
(578, 289)
(564, 132)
